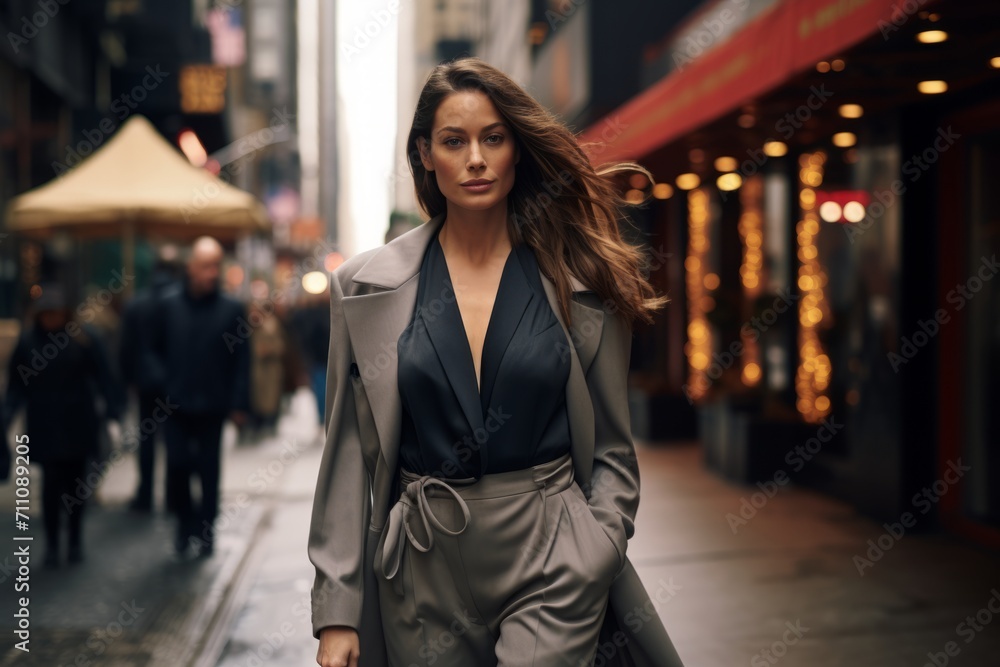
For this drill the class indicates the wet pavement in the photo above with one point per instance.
(132, 602)
(783, 588)
(273, 626)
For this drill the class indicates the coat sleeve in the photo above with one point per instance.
(17, 384)
(109, 386)
(156, 352)
(240, 399)
(613, 491)
(128, 350)
(341, 506)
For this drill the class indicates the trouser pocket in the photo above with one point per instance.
(584, 519)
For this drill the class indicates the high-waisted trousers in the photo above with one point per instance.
(511, 570)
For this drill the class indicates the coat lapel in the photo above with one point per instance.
(382, 305)
(585, 335)
(379, 309)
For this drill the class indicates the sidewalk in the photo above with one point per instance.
(783, 590)
(131, 602)
(274, 624)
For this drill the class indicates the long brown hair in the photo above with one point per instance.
(567, 211)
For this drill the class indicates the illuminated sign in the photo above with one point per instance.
(203, 89)
(842, 205)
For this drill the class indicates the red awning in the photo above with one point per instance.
(791, 37)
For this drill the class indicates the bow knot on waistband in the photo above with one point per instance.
(414, 500)
(545, 479)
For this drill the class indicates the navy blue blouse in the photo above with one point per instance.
(450, 428)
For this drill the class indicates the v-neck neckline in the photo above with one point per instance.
(477, 378)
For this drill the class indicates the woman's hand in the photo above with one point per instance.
(338, 647)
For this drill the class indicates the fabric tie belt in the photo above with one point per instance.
(546, 478)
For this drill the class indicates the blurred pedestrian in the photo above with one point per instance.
(142, 371)
(202, 344)
(311, 322)
(293, 365)
(267, 370)
(6, 458)
(60, 373)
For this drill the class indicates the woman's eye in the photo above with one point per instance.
(494, 138)
(453, 141)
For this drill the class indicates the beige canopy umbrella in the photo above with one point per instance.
(137, 182)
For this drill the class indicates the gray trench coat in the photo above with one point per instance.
(373, 296)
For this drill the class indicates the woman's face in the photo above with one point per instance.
(471, 152)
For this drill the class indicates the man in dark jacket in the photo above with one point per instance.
(203, 348)
(59, 372)
(141, 371)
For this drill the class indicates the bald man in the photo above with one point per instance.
(203, 345)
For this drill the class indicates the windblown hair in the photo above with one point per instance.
(567, 211)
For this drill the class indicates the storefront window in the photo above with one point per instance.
(982, 351)
(848, 263)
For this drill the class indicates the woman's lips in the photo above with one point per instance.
(477, 186)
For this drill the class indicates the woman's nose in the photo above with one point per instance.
(475, 157)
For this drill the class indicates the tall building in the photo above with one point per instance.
(256, 43)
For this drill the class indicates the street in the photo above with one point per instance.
(769, 229)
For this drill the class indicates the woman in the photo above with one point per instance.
(479, 481)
